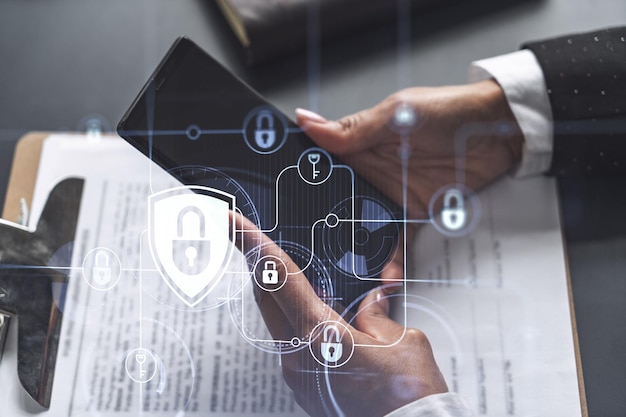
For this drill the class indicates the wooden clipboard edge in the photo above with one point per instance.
(23, 173)
(572, 312)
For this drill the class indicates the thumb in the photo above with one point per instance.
(373, 319)
(350, 134)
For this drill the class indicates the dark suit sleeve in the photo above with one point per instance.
(586, 79)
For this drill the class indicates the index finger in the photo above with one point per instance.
(296, 298)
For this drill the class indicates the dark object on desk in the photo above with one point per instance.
(26, 287)
(269, 28)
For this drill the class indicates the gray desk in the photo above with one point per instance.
(63, 60)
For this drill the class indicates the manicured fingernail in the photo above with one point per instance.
(382, 301)
(310, 116)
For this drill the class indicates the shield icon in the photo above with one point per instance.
(191, 238)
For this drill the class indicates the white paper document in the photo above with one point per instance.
(498, 315)
(494, 305)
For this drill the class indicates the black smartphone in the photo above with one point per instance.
(206, 127)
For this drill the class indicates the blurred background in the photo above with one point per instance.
(64, 63)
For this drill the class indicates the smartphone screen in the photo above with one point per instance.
(206, 127)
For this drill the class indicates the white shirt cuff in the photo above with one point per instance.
(520, 77)
(449, 404)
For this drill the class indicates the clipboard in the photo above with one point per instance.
(22, 182)
(26, 279)
(23, 174)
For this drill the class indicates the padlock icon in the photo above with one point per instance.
(331, 351)
(265, 134)
(101, 271)
(270, 274)
(191, 250)
(453, 215)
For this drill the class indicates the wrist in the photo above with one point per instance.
(496, 109)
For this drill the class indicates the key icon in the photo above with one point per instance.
(141, 365)
(314, 158)
(141, 359)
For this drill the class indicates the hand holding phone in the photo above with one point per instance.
(208, 129)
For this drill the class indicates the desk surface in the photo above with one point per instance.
(67, 60)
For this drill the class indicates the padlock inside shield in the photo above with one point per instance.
(191, 256)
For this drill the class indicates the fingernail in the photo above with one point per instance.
(382, 301)
(310, 116)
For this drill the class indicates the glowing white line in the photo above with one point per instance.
(312, 249)
(277, 181)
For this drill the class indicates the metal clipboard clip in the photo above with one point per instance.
(26, 284)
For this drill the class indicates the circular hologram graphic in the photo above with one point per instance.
(101, 269)
(332, 344)
(145, 367)
(404, 115)
(315, 166)
(365, 238)
(140, 365)
(84, 298)
(265, 130)
(270, 273)
(247, 316)
(404, 119)
(332, 220)
(454, 210)
(193, 132)
(452, 354)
